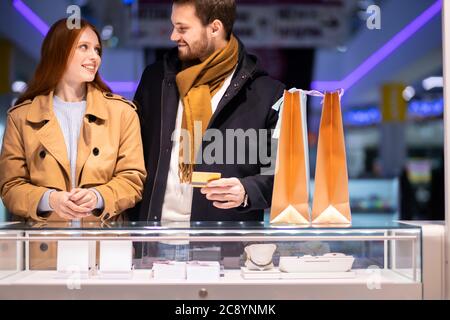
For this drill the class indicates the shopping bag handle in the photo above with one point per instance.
(316, 93)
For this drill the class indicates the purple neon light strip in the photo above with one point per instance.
(327, 85)
(42, 27)
(122, 86)
(381, 53)
(30, 16)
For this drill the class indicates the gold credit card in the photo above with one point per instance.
(200, 179)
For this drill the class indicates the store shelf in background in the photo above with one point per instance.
(372, 195)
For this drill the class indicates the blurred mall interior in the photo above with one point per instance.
(391, 70)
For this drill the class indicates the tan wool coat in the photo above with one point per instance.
(110, 155)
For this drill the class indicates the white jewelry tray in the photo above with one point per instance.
(329, 262)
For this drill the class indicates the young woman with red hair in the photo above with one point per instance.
(71, 150)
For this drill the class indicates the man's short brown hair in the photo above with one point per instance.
(210, 10)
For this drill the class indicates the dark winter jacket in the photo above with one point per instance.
(245, 105)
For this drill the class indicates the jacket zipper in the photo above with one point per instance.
(160, 150)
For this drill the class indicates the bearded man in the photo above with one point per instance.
(208, 89)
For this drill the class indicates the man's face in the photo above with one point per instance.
(192, 37)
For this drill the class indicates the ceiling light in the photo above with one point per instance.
(107, 32)
(18, 86)
(409, 93)
(433, 82)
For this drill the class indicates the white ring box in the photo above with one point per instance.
(169, 270)
(203, 270)
(116, 259)
(75, 256)
(329, 262)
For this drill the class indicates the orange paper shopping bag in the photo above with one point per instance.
(331, 203)
(290, 191)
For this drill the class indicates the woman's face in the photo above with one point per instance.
(84, 63)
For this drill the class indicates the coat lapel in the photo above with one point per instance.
(235, 85)
(170, 101)
(50, 134)
(169, 108)
(243, 73)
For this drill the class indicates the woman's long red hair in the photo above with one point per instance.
(57, 48)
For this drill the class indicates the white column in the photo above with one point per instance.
(446, 47)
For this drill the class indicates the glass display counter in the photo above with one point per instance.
(209, 260)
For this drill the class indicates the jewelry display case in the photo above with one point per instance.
(209, 260)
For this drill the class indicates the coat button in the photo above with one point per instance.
(42, 154)
(226, 95)
(106, 216)
(92, 118)
(95, 151)
(43, 247)
(109, 95)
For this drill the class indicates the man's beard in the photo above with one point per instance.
(194, 51)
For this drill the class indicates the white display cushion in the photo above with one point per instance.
(73, 256)
(329, 262)
(169, 270)
(116, 256)
(259, 256)
(203, 270)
